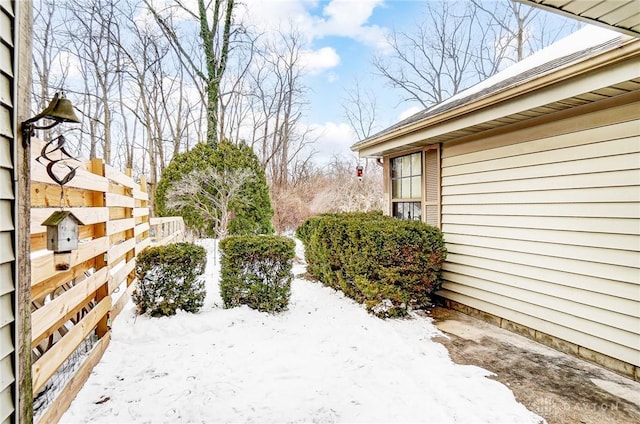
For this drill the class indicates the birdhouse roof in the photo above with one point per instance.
(57, 217)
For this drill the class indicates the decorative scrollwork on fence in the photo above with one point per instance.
(58, 170)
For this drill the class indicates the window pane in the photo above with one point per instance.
(406, 188)
(416, 164)
(396, 165)
(407, 210)
(417, 211)
(406, 166)
(397, 210)
(395, 189)
(416, 187)
(406, 183)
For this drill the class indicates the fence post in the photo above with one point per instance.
(100, 230)
(145, 218)
(131, 233)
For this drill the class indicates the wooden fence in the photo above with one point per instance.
(73, 309)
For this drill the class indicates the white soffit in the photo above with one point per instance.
(619, 15)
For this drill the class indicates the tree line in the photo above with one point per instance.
(152, 79)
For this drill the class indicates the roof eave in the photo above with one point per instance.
(558, 10)
(630, 49)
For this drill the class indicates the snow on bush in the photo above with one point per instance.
(256, 271)
(169, 278)
(388, 264)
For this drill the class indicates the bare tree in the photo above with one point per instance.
(332, 188)
(277, 96)
(342, 191)
(156, 96)
(210, 192)
(145, 56)
(458, 44)
(206, 61)
(94, 31)
(360, 108)
(235, 95)
(517, 31)
(435, 61)
(50, 71)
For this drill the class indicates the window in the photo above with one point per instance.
(415, 186)
(406, 186)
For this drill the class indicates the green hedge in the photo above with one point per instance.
(168, 279)
(250, 217)
(385, 263)
(256, 271)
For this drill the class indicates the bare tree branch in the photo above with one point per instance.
(210, 192)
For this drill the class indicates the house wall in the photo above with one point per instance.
(7, 215)
(543, 227)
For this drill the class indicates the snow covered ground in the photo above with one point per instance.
(324, 360)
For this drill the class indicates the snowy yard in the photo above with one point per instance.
(324, 360)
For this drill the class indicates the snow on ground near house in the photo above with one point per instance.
(324, 360)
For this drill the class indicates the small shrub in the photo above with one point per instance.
(169, 279)
(385, 263)
(256, 271)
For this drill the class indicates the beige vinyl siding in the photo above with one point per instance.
(543, 228)
(7, 255)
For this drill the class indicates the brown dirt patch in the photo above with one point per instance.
(556, 386)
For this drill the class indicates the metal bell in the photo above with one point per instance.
(61, 110)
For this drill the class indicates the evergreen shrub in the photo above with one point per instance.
(252, 217)
(388, 264)
(256, 271)
(169, 279)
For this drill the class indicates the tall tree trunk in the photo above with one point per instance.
(215, 39)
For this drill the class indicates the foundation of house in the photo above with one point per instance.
(613, 364)
(549, 376)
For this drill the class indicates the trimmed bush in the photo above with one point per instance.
(169, 279)
(256, 271)
(388, 264)
(250, 217)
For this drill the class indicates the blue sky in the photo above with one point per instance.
(355, 60)
(339, 40)
(342, 37)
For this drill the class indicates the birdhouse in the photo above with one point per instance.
(62, 236)
(359, 170)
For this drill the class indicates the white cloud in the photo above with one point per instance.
(309, 19)
(348, 18)
(334, 139)
(345, 18)
(274, 14)
(317, 61)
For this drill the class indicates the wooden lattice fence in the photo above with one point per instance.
(73, 309)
